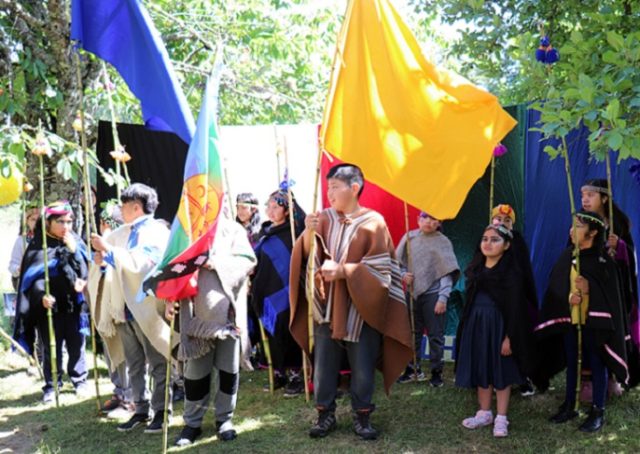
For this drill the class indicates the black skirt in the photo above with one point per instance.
(479, 362)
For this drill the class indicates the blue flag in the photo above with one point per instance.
(122, 33)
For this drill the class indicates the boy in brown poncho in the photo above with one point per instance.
(358, 305)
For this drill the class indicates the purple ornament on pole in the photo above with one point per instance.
(499, 150)
(552, 56)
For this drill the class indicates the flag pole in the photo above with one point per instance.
(335, 70)
(576, 252)
(167, 384)
(305, 367)
(89, 218)
(263, 336)
(411, 316)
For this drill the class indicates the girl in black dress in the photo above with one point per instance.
(495, 346)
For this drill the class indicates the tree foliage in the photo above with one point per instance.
(277, 56)
(595, 83)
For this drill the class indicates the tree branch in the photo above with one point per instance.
(16, 9)
(189, 29)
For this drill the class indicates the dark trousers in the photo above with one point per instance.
(599, 373)
(66, 326)
(425, 317)
(328, 359)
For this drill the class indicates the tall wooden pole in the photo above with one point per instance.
(305, 366)
(410, 287)
(576, 252)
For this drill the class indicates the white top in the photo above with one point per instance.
(16, 256)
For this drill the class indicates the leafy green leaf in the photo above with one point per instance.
(614, 140)
(615, 40)
(610, 57)
(613, 110)
(576, 36)
(553, 152)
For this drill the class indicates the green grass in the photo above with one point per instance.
(415, 418)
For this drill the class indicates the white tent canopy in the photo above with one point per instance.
(249, 155)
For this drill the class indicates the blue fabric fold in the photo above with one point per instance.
(122, 33)
(274, 305)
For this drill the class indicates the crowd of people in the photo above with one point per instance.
(370, 305)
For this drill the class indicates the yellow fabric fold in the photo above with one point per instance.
(424, 134)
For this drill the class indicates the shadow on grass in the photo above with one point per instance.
(415, 418)
(7, 372)
(22, 401)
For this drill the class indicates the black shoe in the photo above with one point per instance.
(295, 387)
(408, 375)
(565, 413)
(279, 381)
(362, 425)
(225, 430)
(527, 389)
(134, 421)
(436, 378)
(155, 426)
(594, 421)
(326, 423)
(188, 435)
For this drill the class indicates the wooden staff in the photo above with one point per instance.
(89, 218)
(114, 128)
(491, 186)
(576, 252)
(411, 316)
(610, 199)
(167, 384)
(277, 142)
(18, 347)
(267, 354)
(305, 367)
(53, 354)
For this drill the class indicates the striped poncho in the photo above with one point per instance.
(371, 291)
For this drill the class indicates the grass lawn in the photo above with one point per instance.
(415, 418)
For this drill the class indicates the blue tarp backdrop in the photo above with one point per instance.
(546, 197)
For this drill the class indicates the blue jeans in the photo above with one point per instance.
(363, 356)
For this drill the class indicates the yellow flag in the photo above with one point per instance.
(424, 134)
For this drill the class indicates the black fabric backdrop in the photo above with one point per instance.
(157, 161)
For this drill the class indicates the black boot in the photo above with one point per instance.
(326, 423)
(436, 378)
(362, 425)
(566, 412)
(594, 421)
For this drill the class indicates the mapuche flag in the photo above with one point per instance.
(421, 133)
(194, 227)
(122, 33)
